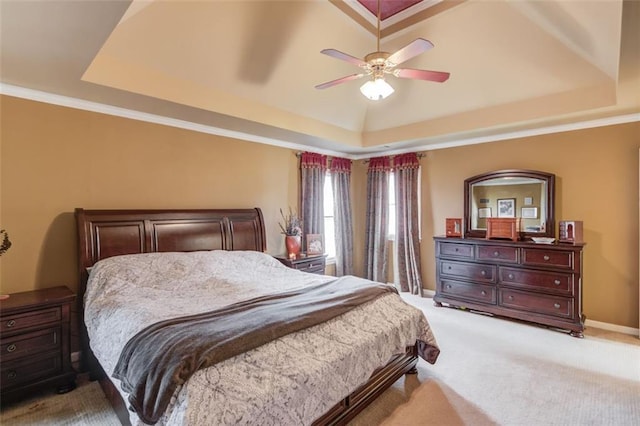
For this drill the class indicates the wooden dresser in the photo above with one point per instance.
(34, 340)
(312, 264)
(541, 283)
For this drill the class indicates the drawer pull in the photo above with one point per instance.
(12, 347)
(448, 286)
(546, 257)
(311, 265)
(556, 282)
(483, 273)
(12, 374)
(510, 276)
(496, 254)
(510, 297)
(484, 293)
(11, 323)
(556, 305)
(456, 248)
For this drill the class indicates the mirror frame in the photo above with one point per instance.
(548, 178)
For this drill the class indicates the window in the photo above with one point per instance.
(329, 222)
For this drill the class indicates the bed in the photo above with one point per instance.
(140, 268)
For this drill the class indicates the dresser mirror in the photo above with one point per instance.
(525, 194)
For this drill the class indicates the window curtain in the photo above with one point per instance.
(406, 171)
(376, 256)
(341, 184)
(313, 168)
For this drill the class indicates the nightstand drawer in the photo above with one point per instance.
(30, 343)
(30, 319)
(18, 372)
(311, 265)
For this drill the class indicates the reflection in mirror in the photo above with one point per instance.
(523, 194)
(509, 197)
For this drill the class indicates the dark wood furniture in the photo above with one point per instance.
(541, 283)
(484, 190)
(35, 342)
(311, 264)
(105, 233)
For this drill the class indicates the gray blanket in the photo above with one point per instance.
(164, 355)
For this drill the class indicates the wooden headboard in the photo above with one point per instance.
(106, 233)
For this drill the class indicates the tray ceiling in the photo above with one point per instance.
(249, 68)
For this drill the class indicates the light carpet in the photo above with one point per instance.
(491, 372)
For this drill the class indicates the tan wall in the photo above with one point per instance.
(54, 159)
(596, 182)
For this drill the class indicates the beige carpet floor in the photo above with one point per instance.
(491, 372)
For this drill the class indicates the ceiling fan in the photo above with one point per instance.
(377, 64)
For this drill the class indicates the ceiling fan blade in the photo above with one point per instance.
(437, 76)
(416, 47)
(343, 56)
(339, 80)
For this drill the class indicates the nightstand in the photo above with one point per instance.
(35, 342)
(311, 264)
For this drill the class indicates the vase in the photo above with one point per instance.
(292, 243)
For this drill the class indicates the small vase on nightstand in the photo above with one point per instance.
(292, 243)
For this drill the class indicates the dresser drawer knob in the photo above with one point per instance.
(556, 305)
(11, 323)
(484, 293)
(556, 282)
(546, 257)
(510, 297)
(449, 286)
(510, 276)
(496, 254)
(456, 248)
(12, 374)
(12, 347)
(483, 273)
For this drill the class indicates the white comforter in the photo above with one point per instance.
(290, 381)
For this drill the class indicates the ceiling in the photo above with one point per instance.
(247, 69)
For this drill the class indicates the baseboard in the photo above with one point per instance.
(428, 293)
(613, 327)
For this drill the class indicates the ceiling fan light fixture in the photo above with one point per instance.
(376, 89)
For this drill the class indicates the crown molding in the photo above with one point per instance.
(70, 102)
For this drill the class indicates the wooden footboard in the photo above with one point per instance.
(339, 414)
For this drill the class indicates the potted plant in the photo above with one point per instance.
(291, 227)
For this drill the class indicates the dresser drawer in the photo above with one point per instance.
(557, 306)
(456, 250)
(539, 257)
(471, 292)
(15, 373)
(558, 282)
(470, 271)
(498, 254)
(27, 344)
(30, 319)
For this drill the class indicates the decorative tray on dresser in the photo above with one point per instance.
(540, 283)
(35, 342)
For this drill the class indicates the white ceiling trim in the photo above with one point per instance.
(66, 101)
